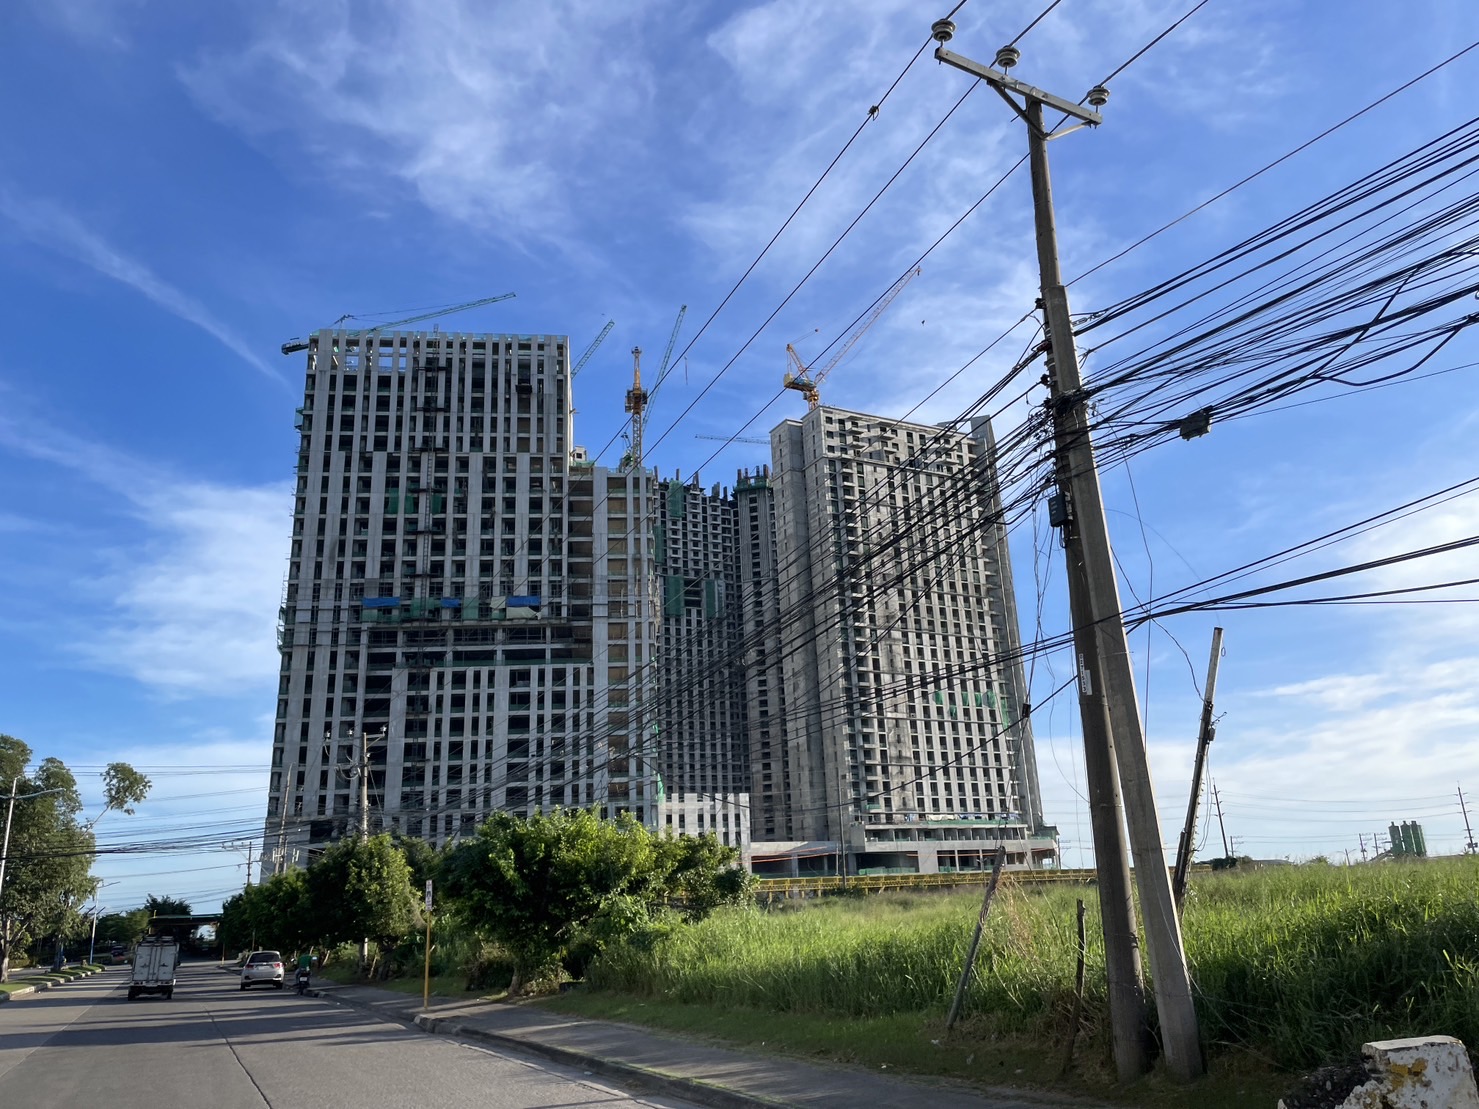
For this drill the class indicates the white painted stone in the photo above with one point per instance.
(1421, 1072)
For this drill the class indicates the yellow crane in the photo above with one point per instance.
(807, 380)
(638, 397)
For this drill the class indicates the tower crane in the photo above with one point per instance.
(590, 350)
(292, 346)
(806, 380)
(637, 397)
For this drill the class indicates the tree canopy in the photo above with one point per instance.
(49, 861)
(554, 885)
(166, 906)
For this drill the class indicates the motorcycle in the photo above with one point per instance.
(302, 981)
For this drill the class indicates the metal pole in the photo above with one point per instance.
(426, 975)
(1204, 740)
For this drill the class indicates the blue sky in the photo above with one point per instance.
(188, 186)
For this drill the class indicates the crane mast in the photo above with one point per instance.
(637, 397)
(636, 405)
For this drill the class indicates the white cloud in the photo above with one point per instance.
(195, 612)
(189, 608)
(479, 108)
(55, 229)
(94, 22)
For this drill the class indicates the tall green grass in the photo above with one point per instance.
(1298, 964)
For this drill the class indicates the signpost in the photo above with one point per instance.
(426, 976)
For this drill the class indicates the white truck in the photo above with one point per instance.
(155, 959)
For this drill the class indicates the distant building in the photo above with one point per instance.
(826, 654)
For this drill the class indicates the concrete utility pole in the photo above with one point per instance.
(1469, 845)
(1204, 740)
(1111, 714)
(364, 784)
(1226, 850)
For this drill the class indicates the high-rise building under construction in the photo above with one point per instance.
(887, 692)
(483, 620)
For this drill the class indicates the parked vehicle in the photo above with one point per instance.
(155, 960)
(262, 967)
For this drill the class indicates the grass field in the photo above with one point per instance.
(1293, 966)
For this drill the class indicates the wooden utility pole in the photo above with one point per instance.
(970, 959)
(1113, 739)
(1204, 740)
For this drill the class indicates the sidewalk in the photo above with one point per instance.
(693, 1070)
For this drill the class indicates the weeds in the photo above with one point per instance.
(1298, 965)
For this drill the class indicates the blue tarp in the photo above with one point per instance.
(524, 602)
(381, 602)
(451, 602)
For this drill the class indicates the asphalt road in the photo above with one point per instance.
(214, 1047)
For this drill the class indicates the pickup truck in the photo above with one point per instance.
(155, 959)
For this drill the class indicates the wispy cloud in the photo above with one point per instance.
(188, 607)
(52, 227)
(478, 108)
(94, 22)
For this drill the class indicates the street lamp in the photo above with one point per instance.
(10, 812)
(92, 944)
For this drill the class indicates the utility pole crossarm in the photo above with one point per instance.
(1001, 81)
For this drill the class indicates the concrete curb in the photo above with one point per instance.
(643, 1079)
(37, 987)
(640, 1079)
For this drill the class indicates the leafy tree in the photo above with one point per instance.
(50, 853)
(47, 869)
(125, 928)
(362, 889)
(560, 886)
(701, 874)
(275, 914)
(422, 858)
(123, 788)
(166, 906)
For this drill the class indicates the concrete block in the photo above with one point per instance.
(1421, 1072)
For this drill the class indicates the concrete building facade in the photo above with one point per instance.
(825, 655)
(898, 651)
(463, 590)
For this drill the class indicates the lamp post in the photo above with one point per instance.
(92, 944)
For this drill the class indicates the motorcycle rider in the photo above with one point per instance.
(304, 976)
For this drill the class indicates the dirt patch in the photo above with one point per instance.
(1328, 1086)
